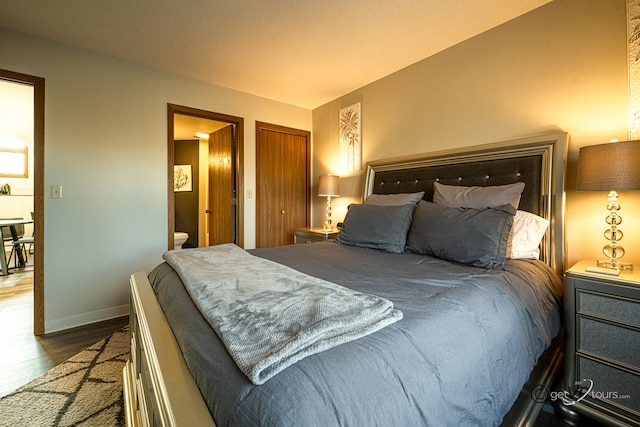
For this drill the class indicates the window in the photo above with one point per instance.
(13, 159)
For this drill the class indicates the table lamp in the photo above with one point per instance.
(329, 186)
(612, 167)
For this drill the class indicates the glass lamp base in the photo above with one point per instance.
(619, 265)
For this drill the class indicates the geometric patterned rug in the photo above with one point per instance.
(86, 390)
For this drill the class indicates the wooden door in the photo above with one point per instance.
(282, 183)
(221, 187)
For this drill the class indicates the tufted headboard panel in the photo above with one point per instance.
(489, 172)
(539, 162)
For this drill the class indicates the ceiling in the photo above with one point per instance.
(301, 52)
(185, 127)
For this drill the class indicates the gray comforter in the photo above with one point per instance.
(465, 347)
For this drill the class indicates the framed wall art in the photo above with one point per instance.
(182, 178)
(633, 50)
(351, 138)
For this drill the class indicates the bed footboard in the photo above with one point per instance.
(158, 387)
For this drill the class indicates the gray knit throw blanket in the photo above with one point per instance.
(270, 316)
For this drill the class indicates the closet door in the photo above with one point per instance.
(282, 183)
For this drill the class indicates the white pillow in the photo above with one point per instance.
(526, 234)
(398, 199)
(457, 196)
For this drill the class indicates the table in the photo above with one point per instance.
(602, 333)
(11, 223)
(313, 234)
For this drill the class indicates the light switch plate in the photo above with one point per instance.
(56, 191)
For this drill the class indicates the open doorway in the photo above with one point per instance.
(205, 152)
(33, 192)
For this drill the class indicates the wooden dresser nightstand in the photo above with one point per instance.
(602, 349)
(313, 234)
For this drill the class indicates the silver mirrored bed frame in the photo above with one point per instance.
(158, 387)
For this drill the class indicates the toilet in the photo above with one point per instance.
(179, 238)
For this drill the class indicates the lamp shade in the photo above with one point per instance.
(329, 185)
(614, 166)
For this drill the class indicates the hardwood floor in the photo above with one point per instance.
(24, 356)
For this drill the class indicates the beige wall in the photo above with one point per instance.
(561, 67)
(106, 143)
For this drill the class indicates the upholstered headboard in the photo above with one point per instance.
(539, 162)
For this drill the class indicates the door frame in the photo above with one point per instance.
(38, 191)
(239, 165)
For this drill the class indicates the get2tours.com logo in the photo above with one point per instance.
(581, 390)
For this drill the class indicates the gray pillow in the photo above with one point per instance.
(377, 227)
(476, 237)
(458, 196)
(398, 199)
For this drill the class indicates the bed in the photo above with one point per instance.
(473, 342)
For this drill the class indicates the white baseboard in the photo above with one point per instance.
(55, 325)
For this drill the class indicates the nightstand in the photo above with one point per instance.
(602, 347)
(313, 234)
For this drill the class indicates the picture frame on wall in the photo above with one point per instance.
(633, 50)
(182, 178)
(351, 137)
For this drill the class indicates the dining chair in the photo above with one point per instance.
(33, 233)
(17, 245)
(7, 238)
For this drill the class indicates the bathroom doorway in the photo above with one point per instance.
(205, 152)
